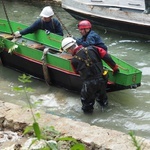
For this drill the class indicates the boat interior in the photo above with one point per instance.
(35, 45)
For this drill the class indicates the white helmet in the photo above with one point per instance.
(67, 43)
(47, 12)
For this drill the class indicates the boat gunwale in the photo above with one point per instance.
(86, 12)
(103, 3)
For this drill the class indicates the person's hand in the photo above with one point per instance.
(115, 70)
(17, 34)
(47, 32)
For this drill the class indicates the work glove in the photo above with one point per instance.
(17, 34)
(47, 32)
(115, 70)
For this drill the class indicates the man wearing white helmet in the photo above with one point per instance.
(46, 22)
(88, 63)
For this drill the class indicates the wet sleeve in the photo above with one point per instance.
(31, 29)
(107, 58)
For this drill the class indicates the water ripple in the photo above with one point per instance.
(145, 70)
(136, 126)
(128, 41)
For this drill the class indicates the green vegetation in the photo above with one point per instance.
(137, 144)
(52, 138)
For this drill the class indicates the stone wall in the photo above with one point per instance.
(103, 138)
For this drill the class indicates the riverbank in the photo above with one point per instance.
(14, 118)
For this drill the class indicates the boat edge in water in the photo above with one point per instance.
(129, 19)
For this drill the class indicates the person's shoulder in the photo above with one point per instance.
(55, 19)
(39, 20)
(93, 32)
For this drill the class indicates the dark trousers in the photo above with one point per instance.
(94, 89)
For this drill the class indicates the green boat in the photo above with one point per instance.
(40, 55)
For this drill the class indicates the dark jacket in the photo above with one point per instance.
(92, 38)
(53, 26)
(88, 62)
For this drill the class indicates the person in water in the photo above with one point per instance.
(87, 62)
(45, 22)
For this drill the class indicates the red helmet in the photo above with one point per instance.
(84, 24)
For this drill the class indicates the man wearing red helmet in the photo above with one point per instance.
(89, 37)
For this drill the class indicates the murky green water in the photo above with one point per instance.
(128, 109)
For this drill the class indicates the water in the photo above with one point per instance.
(128, 109)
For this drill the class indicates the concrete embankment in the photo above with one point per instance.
(93, 135)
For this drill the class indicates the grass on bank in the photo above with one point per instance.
(51, 137)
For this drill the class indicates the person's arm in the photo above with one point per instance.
(107, 58)
(31, 29)
(89, 41)
(74, 65)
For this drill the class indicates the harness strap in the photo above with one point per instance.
(52, 25)
(88, 60)
(93, 69)
(42, 24)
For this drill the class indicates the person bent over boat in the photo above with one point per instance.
(89, 37)
(87, 61)
(46, 22)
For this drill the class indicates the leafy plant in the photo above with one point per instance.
(136, 143)
(75, 144)
(50, 136)
(27, 79)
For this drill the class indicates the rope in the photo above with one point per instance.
(7, 17)
(63, 24)
(45, 69)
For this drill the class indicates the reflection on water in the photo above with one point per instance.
(127, 110)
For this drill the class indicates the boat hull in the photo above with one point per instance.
(57, 77)
(120, 18)
(118, 26)
(25, 65)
